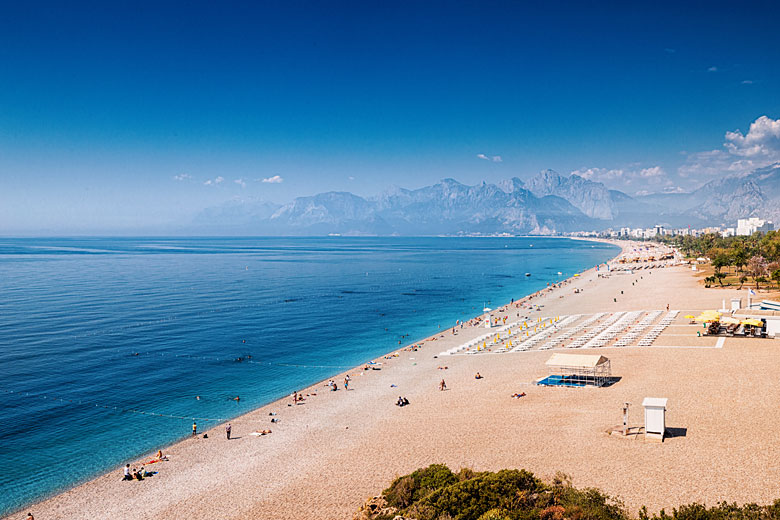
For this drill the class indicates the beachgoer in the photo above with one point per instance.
(400, 401)
(127, 475)
(442, 385)
(137, 475)
(30, 516)
(295, 397)
(478, 376)
(346, 383)
(194, 428)
(227, 431)
(159, 454)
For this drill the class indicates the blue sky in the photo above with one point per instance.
(115, 116)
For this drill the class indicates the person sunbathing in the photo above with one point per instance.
(262, 432)
(518, 396)
(478, 376)
(160, 455)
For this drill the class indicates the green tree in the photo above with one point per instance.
(757, 268)
(776, 276)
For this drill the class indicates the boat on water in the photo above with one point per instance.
(528, 274)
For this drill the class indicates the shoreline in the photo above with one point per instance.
(317, 388)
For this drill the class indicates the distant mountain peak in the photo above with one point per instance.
(547, 203)
(592, 198)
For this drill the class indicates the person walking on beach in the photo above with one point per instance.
(227, 431)
(194, 428)
(442, 385)
(346, 383)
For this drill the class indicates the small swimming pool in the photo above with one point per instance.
(564, 381)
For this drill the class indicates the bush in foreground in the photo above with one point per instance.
(437, 493)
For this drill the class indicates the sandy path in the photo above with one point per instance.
(328, 455)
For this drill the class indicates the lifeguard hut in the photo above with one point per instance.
(655, 418)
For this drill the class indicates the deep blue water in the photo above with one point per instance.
(74, 311)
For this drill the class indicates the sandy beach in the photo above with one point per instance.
(331, 452)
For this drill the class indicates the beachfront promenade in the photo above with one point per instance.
(330, 453)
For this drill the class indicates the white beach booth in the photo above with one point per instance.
(655, 417)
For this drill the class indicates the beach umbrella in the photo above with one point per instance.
(690, 317)
(487, 309)
(752, 321)
(728, 320)
(707, 319)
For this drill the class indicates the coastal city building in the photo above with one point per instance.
(748, 226)
(744, 227)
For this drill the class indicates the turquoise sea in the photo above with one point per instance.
(105, 342)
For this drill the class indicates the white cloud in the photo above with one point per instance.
(761, 140)
(351, 178)
(759, 147)
(712, 69)
(625, 178)
(599, 174)
(670, 50)
(276, 179)
(240, 182)
(493, 158)
(747, 82)
(182, 177)
(218, 180)
(655, 171)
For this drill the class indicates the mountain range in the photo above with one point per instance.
(546, 204)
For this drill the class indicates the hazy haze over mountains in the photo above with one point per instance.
(548, 203)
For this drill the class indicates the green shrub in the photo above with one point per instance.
(469, 499)
(411, 488)
(494, 514)
(436, 493)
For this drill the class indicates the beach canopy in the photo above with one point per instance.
(576, 360)
(752, 321)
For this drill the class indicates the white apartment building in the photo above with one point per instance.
(748, 226)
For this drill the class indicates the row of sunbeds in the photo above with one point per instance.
(656, 331)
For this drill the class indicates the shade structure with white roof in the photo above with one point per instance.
(578, 370)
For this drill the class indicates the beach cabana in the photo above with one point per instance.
(577, 370)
